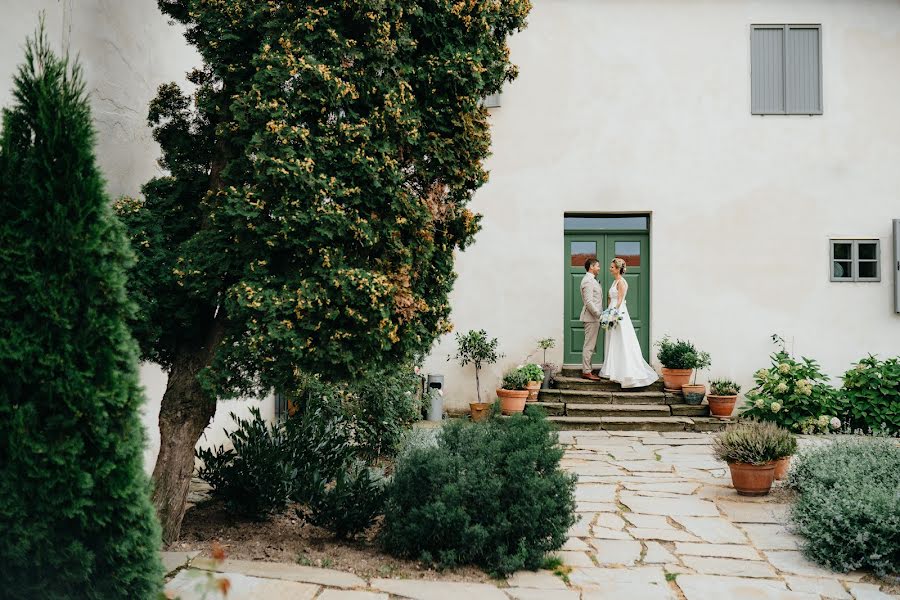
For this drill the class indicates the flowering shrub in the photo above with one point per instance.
(754, 443)
(795, 395)
(872, 391)
(847, 506)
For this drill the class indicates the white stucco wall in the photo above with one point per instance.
(622, 105)
(633, 105)
(127, 49)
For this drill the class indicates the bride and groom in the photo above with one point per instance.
(622, 358)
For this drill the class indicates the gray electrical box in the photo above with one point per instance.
(896, 265)
(436, 408)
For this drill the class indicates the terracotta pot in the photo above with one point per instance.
(693, 393)
(721, 406)
(674, 379)
(752, 480)
(512, 401)
(479, 411)
(533, 388)
(781, 467)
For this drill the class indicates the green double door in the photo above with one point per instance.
(634, 248)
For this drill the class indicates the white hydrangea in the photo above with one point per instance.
(784, 368)
(775, 407)
(761, 374)
(781, 387)
(835, 423)
(760, 403)
(824, 421)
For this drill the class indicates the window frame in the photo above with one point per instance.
(855, 260)
(785, 27)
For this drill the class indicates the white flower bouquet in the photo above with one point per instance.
(610, 317)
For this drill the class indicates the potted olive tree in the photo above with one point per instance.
(679, 358)
(548, 368)
(722, 397)
(513, 391)
(751, 451)
(535, 375)
(477, 348)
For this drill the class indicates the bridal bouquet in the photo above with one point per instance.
(610, 317)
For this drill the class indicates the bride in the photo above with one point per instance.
(622, 359)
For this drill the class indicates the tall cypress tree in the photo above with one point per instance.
(75, 515)
(318, 185)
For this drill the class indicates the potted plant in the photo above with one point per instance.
(548, 368)
(784, 463)
(679, 358)
(476, 348)
(722, 396)
(751, 450)
(512, 392)
(535, 375)
(694, 392)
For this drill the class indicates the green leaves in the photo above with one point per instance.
(75, 514)
(318, 183)
(681, 354)
(872, 389)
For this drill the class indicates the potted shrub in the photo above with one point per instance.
(679, 358)
(512, 392)
(722, 396)
(784, 463)
(694, 392)
(477, 348)
(535, 375)
(548, 368)
(751, 450)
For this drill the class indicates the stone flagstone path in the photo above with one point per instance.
(659, 520)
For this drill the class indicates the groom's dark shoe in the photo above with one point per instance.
(590, 376)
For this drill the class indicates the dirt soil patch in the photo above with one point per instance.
(286, 538)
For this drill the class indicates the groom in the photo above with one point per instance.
(592, 296)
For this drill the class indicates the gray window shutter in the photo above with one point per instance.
(803, 78)
(492, 101)
(896, 265)
(767, 70)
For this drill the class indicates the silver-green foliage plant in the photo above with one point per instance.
(724, 387)
(754, 443)
(848, 507)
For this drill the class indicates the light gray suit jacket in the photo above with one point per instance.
(592, 296)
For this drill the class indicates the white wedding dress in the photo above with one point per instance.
(622, 358)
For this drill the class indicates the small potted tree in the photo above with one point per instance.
(751, 450)
(722, 397)
(679, 358)
(476, 348)
(695, 392)
(512, 391)
(548, 368)
(535, 375)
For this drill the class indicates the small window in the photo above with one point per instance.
(786, 70)
(855, 260)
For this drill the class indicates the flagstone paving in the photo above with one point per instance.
(658, 520)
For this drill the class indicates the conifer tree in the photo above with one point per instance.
(75, 514)
(318, 185)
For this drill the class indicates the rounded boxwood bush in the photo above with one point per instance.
(489, 493)
(849, 504)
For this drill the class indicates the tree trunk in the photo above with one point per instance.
(185, 412)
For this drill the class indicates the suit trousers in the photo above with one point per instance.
(591, 329)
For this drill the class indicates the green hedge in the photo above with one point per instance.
(490, 494)
(849, 504)
(872, 390)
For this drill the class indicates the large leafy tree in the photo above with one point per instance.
(317, 190)
(75, 512)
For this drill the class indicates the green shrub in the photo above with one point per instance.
(754, 443)
(75, 514)
(255, 477)
(724, 387)
(681, 354)
(533, 372)
(795, 395)
(848, 507)
(872, 391)
(350, 504)
(489, 493)
(515, 379)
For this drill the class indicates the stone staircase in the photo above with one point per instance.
(575, 403)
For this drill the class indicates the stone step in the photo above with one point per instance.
(552, 408)
(618, 410)
(606, 397)
(640, 423)
(690, 410)
(565, 382)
